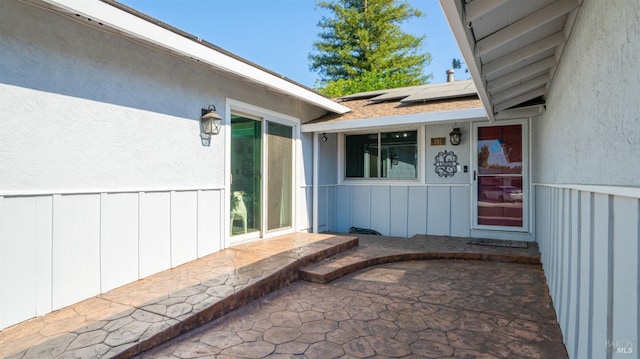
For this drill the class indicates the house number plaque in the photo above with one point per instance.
(438, 141)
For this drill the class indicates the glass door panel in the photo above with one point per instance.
(246, 154)
(280, 176)
(500, 176)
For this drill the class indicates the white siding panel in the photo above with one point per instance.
(343, 208)
(571, 312)
(380, 211)
(118, 240)
(323, 209)
(184, 234)
(586, 272)
(460, 217)
(601, 274)
(417, 211)
(76, 248)
(565, 284)
(44, 226)
(399, 207)
(209, 225)
(17, 260)
(331, 212)
(155, 232)
(625, 274)
(361, 206)
(438, 211)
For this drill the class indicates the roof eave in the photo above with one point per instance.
(136, 27)
(454, 13)
(472, 114)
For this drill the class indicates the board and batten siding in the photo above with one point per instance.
(69, 247)
(589, 243)
(396, 210)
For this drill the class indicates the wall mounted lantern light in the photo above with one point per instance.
(324, 137)
(211, 121)
(455, 136)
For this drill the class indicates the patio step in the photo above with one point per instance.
(375, 250)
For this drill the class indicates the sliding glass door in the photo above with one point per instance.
(262, 177)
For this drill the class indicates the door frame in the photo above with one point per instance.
(526, 189)
(265, 116)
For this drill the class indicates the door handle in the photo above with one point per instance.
(474, 175)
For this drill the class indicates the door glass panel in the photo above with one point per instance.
(279, 169)
(246, 149)
(500, 186)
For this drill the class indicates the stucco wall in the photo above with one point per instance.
(83, 109)
(590, 133)
(461, 150)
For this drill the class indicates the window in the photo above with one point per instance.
(382, 155)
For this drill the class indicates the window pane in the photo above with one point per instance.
(500, 201)
(399, 154)
(361, 156)
(279, 184)
(246, 155)
(500, 150)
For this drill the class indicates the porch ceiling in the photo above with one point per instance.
(511, 48)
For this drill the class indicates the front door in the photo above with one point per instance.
(500, 176)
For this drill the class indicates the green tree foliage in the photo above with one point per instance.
(362, 47)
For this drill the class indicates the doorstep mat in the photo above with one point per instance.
(498, 243)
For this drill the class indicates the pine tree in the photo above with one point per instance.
(363, 48)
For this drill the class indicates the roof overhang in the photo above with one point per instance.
(417, 119)
(511, 48)
(141, 28)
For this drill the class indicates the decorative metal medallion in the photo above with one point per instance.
(446, 164)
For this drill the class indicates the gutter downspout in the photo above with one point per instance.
(314, 196)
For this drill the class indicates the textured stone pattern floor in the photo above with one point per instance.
(145, 313)
(417, 309)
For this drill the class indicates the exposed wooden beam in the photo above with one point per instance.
(505, 81)
(523, 112)
(535, 48)
(475, 9)
(520, 99)
(525, 25)
(517, 90)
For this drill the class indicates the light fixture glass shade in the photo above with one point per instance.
(211, 121)
(455, 136)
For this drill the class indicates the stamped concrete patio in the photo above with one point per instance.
(465, 301)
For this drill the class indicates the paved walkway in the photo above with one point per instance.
(135, 318)
(418, 309)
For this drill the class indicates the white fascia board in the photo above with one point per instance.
(465, 41)
(139, 28)
(417, 119)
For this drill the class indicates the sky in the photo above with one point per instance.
(279, 34)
